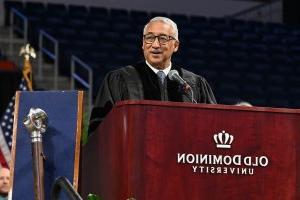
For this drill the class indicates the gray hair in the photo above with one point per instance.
(167, 21)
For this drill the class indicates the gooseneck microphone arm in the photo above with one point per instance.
(174, 76)
(63, 183)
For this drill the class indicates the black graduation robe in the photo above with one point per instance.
(139, 82)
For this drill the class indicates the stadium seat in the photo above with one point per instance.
(56, 10)
(78, 11)
(98, 13)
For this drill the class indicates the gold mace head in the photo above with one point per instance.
(27, 51)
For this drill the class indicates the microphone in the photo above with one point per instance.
(174, 76)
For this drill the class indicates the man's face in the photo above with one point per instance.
(159, 54)
(4, 181)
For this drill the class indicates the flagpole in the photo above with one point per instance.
(36, 123)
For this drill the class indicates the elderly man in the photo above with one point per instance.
(4, 183)
(148, 79)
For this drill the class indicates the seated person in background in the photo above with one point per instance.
(243, 103)
(148, 80)
(4, 183)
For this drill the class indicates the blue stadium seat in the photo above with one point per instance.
(217, 54)
(133, 48)
(257, 48)
(240, 66)
(139, 17)
(253, 91)
(259, 58)
(227, 93)
(290, 40)
(261, 67)
(67, 34)
(236, 22)
(124, 58)
(56, 10)
(78, 11)
(277, 91)
(217, 20)
(106, 46)
(271, 39)
(238, 46)
(181, 20)
(257, 101)
(284, 69)
(209, 74)
(119, 15)
(198, 43)
(97, 13)
(230, 36)
(251, 78)
(240, 56)
(242, 28)
(208, 34)
(278, 58)
(122, 27)
(55, 22)
(35, 9)
(76, 23)
(278, 49)
(196, 64)
(231, 77)
(111, 36)
(250, 37)
(294, 82)
(194, 53)
(218, 45)
(98, 25)
(178, 61)
(219, 65)
(187, 33)
(279, 102)
(85, 44)
(98, 57)
(89, 35)
(276, 80)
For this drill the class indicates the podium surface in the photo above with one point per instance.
(164, 150)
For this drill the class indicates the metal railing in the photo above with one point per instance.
(75, 61)
(14, 14)
(43, 36)
(51, 53)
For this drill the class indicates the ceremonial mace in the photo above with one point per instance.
(36, 124)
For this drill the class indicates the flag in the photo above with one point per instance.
(7, 120)
(6, 128)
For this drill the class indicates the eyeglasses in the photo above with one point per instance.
(162, 39)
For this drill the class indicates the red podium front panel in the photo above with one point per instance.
(160, 150)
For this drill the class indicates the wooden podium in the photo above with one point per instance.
(150, 150)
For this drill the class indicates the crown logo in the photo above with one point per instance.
(223, 140)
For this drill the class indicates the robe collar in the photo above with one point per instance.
(155, 70)
(151, 87)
